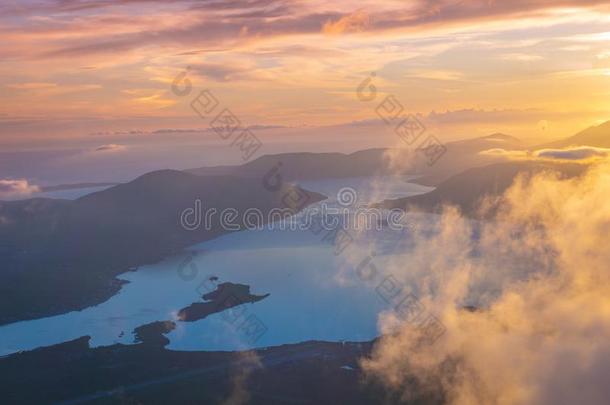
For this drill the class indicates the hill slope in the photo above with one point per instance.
(467, 189)
(60, 255)
(598, 136)
(460, 155)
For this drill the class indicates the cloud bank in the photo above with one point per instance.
(539, 279)
(579, 153)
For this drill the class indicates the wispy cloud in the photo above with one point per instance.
(19, 188)
(356, 22)
(213, 22)
(112, 147)
(580, 153)
(439, 55)
(229, 70)
(30, 86)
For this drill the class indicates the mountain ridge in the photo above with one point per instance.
(61, 255)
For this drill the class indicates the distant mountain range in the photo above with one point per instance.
(460, 155)
(598, 136)
(463, 155)
(74, 186)
(467, 189)
(61, 255)
(306, 165)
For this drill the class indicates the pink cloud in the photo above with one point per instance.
(11, 189)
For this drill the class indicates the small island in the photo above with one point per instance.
(152, 333)
(226, 295)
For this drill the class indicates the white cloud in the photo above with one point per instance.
(11, 189)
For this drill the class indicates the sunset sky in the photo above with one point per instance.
(537, 69)
(411, 196)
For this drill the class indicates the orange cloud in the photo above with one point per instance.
(356, 22)
(538, 280)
